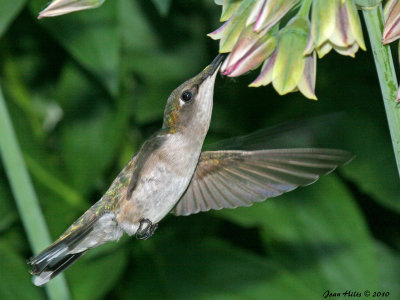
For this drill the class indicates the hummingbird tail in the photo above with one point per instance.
(61, 254)
(51, 264)
(89, 231)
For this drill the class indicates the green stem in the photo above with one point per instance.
(386, 74)
(24, 194)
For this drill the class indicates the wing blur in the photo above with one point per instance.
(229, 179)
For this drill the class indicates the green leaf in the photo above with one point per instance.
(162, 6)
(15, 280)
(51, 181)
(97, 272)
(144, 39)
(7, 212)
(151, 96)
(92, 131)
(209, 269)
(318, 233)
(164, 63)
(8, 11)
(76, 92)
(374, 168)
(90, 37)
(88, 146)
(389, 270)
(24, 194)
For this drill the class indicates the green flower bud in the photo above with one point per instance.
(335, 25)
(228, 9)
(288, 69)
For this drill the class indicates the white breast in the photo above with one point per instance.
(163, 179)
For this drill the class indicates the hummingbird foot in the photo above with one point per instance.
(146, 229)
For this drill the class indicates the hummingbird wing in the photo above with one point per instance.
(228, 179)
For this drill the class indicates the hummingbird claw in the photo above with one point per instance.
(146, 229)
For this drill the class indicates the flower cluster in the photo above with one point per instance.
(286, 36)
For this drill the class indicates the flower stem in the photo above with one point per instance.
(24, 194)
(386, 74)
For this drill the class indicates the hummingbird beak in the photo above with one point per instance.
(212, 68)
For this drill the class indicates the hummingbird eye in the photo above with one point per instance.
(186, 96)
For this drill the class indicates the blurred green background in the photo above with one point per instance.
(85, 90)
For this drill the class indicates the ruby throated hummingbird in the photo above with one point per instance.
(171, 174)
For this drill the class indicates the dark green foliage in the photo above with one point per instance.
(85, 90)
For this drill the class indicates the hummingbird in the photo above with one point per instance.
(171, 174)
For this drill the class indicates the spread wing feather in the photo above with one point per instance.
(228, 179)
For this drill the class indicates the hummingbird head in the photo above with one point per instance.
(189, 106)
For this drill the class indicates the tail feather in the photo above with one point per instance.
(60, 255)
(42, 260)
(54, 267)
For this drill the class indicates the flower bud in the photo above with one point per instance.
(335, 25)
(230, 31)
(391, 31)
(287, 68)
(228, 9)
(62, 7)
(266, 13)
(249, 52)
